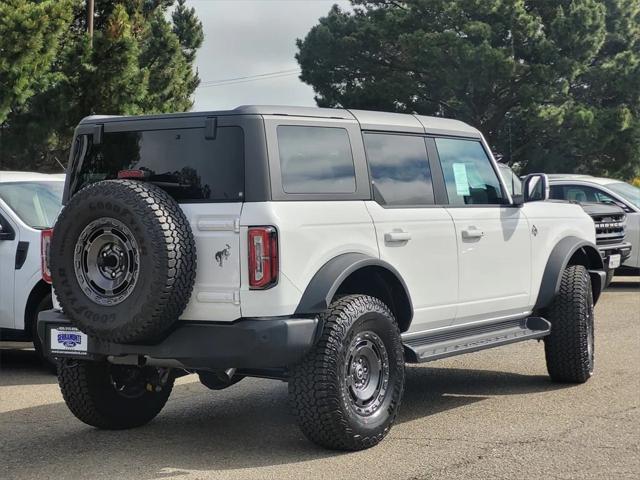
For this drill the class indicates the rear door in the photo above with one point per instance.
(493, 237)
(200, 162)
(414, 235)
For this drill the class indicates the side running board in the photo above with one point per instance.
(471, 339)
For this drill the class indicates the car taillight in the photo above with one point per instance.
(132, 174)
(45, 243)
(263, 257)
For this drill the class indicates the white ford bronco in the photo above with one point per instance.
(322, 247)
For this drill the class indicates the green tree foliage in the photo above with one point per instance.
(554, 85)
(29, 37)
(140, 61)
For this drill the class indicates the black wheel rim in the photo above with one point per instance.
(107, 261)
(366, 373)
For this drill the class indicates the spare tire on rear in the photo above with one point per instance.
(123, 261)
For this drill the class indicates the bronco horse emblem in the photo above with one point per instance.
(223, 254)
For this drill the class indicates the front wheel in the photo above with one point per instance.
(347, 391)
(569, 348)
(113, 397)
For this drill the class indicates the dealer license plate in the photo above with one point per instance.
(614, 261)
(68, 340)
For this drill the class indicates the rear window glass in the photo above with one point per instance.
(316, 160)
(399, 169)
(184, 163)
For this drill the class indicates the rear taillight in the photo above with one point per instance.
(45, 244)
(263, 257)
(132, 174)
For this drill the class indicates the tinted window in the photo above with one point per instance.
(468, 173)
(316, 160)
(580, 193)
(36, 203)
(183, 162)
(399, 169)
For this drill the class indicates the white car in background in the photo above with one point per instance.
(585, 188)
(29, 205)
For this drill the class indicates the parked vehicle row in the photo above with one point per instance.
(322, 247)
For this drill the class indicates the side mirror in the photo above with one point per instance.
(518, 199)
(535, 187)
(6, 232)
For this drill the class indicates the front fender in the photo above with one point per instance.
(587, 255)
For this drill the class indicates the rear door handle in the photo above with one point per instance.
(397, 236)
(472, 233)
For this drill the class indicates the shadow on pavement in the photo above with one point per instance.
(23, 367)
(245, 426)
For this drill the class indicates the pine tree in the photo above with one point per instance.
(29, 41)
(554, 86)
(139, 62)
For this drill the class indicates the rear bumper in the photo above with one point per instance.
(246, 343)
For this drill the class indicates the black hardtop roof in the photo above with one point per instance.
(368, 119)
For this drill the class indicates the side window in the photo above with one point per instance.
(316, 160)
(468, 173)
(583, 193)
(399, 169)
(556, 192)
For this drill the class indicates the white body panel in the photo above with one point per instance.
(7, 274)
(16, 285)
(451, 280)
(309, 235)
(494, 257)
(216, 293)
(553, 221)
(427, 261)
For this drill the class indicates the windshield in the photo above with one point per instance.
(628, 192)
(36, 203)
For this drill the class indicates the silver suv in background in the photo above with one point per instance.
(585, 188)
(609, 219)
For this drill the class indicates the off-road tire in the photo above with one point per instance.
(316, 384)
(569, 347)
(88, 392)
(166, 267)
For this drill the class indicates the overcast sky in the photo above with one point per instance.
(243, 38)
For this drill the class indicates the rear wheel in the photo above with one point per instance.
(569, 348)
(347, 391)
(113, 397)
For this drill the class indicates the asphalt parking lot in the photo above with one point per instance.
(491, 414)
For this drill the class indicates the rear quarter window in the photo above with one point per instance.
(182, 161)
(315, 160)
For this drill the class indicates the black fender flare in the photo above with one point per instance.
(558, 260)
(325, 283)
